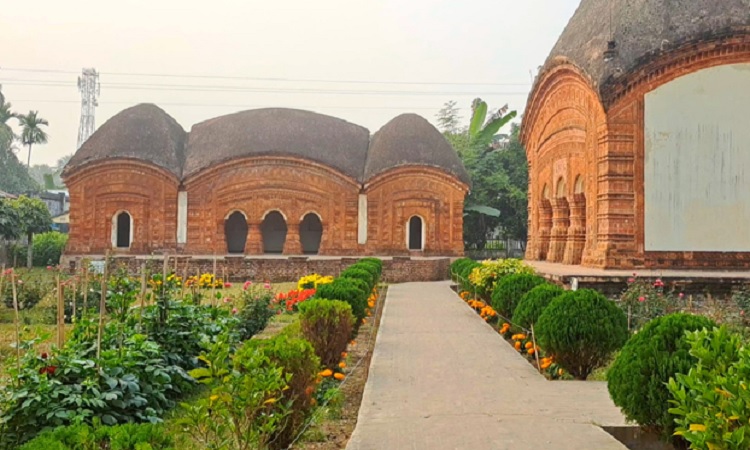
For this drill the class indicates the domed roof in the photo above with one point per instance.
(642, 29)
(279, 131)
(143, 132)
(409, 139)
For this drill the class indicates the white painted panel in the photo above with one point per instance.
(362, 223)
(182, 216)
(697, 162)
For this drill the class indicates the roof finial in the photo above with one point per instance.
(611, 52)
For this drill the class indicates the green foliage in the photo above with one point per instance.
(533, 303)
(34, 218)
(299, 366)
(348, 290)
(119, 437)
(581, 329)
(646, 300)
(462, 268)
(373, 265)
(48, 248)
(710, 402)
(360, 274)
(327, 324)
(244, 408)
(31, 131)
(10, 221)
(256, 311)
(14, 178)
(486, 276)
(510, 289)
(637, 380)
(31, 287)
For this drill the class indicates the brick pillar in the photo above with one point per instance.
(254, 245)
(576, 231)
(559, 233)
(541, 249)
(292, 245)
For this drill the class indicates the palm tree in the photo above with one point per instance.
(32, 132)
(6, 133)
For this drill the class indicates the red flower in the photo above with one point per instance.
(641, 299)
(44, 355)
(49, 370)
(658, 283)
(681, 295)
(227, 285)
(631, 280)
(247, 285)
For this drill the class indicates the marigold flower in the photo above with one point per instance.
(343, 354)
(326, 373)
(339, 376)
(342, 365)
(531, 351)
(529, 344)
(517, 345)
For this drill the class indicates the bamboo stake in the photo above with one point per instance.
(102, 308)
(184, 279)
(213, 284)
(17, 320)
(142, 295)
(60, 313)
(536, 353)
(85, 288)
(75, 300)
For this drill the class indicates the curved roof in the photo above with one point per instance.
(641, 29)
(278, 131)
(143, 132)
(409, 139)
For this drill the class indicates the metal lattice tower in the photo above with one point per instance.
(88, 85)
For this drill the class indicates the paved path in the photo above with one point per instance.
(441, 378)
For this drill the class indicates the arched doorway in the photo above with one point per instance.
(273, 230)
(310, 233)
(415, 230)
(122, 232)
(235, 232)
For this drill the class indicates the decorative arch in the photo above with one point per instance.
(560, 188)
(415, 233)
(545, 192)
(122, 229)
(578, 186)
(310, 233)
(274, 230)
(235, 231)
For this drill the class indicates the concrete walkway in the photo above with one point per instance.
(441, 378)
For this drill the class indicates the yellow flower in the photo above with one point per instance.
(697, 427)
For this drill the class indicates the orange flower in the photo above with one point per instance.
(560, 372)
(339, 376)
(353, 343)
(529, 344)
(530, 351)
(343, 354)
(342, 364)
(326, 373)
(517, 345)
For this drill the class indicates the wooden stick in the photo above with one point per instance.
(184, 279)
(536, 353)
(213, 284)
(164, 273)
(75, 300)
(17, 320)
(85, 288)
(142, 294)
(102, 307)
(60, 313)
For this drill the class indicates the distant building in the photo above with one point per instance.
(58, 202)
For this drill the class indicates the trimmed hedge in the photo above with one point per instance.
(533, 303)
(349, 290)
(298, 360)
(375, 264)
(327, 324)
(637, 381)
(581, 329)
(359, 273)
(510, 289)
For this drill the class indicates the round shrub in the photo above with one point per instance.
(349, 290)
(375, 264)
(360, 274)
(581, 329)
(532, 303)
(510, 289)
(327, 324)
(637, 381)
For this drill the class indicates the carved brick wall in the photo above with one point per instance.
(394, 197)
(100, 191)
(570, 131)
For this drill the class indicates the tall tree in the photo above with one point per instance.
(449, 121)
(10, 226)
(497, 200)
(34, 218)
(32, 132)
(6, 132)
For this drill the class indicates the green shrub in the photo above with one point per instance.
(347, 290)
(461, 269)
(373, 269)
(297, 359)
(359, 273)
(31, 287)
(327, 324)
(255, 313)
(581, 329)
(457, 264)
(532, 303)
(48, 248)
(375, 263)
(637, 380)
(486, 276)
(713, 395)
(510, 289)
(119, 437)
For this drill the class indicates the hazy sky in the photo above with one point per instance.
(318, 48)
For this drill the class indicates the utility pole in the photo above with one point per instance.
(88, 86)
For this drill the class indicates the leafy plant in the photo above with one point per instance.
(710, 401)
(299, 364)
(31, 288)
(327, 324)
(119, 437)
(360, 274)
(347, 290)
(510, 289)
(244, 408)
(255, 313)
(489, 273)
(533, 303)
(637, 380)
(581, 329)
